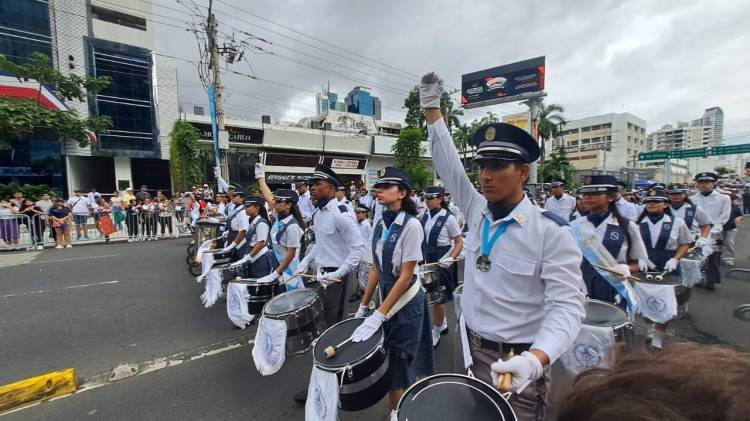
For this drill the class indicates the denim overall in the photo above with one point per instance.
(658, 254)
(433, 253)
(408, 333)
(598, 287)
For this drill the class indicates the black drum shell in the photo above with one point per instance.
(256, 303)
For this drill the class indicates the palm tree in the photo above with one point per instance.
(450, 114)
(557, 167)
(550, 124)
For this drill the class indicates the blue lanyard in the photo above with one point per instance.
(488, 243)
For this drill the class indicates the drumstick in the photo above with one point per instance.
(504, 380)
(331, 350)
(614, 272)
(316, 277)
(437, 263)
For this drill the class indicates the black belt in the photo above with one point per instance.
(504, 348)
(329, 269)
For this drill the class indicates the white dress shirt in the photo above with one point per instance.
(449, 229)
(260, 234)
(531, 294)
(409, 245)
(456, 211)
(305, 205)
(701, 217)
(365, 231)
(718, 207)
(679, 234)
(562, 207)
(627, 209)
(338, 242)
(636, 250)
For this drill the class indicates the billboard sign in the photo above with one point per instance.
(508, 83)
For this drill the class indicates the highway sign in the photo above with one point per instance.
(653, 156)
(689, 153)
(730, 149)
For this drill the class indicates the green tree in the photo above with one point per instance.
(408, 151)
(722, 170)
(550, 124)
(186, 157)
(19, 117)
(558, 166)
(415, 115)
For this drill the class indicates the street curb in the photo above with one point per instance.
(36, 389)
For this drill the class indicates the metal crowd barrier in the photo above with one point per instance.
(16, 232)
(129, 227)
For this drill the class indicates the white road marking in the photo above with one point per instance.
(77, 258)
(58, 289)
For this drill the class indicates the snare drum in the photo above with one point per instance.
(302, 310)
(457, 299)
(691, 269)
(671, 279)
(221, 257)
(230, 273)
(604, 314)
(361, 367)
(260, 293)
(453, 397)
(430, 278)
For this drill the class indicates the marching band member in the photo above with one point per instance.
(625, 208)
(618, 235)
(305, 205)
(521, 293)
(667, 240)
(338, 246)
(396, 249)
(237, 224)
(342, 201)
(365, 231)
(440, 227)
(579, 210)
(286, 233)
(719, 208)
(261, 258)
(562, 204)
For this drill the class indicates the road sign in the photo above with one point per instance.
(731, 149)
(689, 153)
(653, 156)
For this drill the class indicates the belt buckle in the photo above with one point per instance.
(475, 339)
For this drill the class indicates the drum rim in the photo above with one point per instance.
(626, 323)
(336, 369)
(287, 313)
(448, 375)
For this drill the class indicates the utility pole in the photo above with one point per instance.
(215, 92)
(533, 104)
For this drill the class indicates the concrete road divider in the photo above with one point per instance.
(36, 389)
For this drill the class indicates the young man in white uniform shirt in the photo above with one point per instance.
(626, 209)
(719, 208)
(522, 273)
(304, 204)
(559, 202)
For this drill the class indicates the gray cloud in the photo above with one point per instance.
(660, 60)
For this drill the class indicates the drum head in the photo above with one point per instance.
(350, 353)
(289, 301)
(599, 313)
(671, 279)
(453, 397)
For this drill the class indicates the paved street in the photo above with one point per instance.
(91, 308)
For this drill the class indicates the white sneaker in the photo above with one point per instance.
(444, 327)
(435, 336)
(40, 247)
(59, 246)
(69, 246)
(130, 240)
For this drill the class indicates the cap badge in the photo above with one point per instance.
(653, 192)
(489, 134)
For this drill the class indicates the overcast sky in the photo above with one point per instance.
(663, 61)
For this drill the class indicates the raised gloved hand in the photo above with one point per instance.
(622, 269)
(671, 265)
(362, 311)
(645, 264)
(260, 171)
(217, 173)
(702, 242)
(327, 278)
(229, 246)
(269, 278)
(368, 328)
(524, 368)
(445, 262)
(430, 90)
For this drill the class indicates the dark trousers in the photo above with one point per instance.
(131, 220)
(165, 222)
(333, 299)
(713, 276)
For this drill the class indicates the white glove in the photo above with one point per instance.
(702, 242)
(260, 171)
(623, 269)
(362, 311)
(446, 262)
(304, 265)
(268, 278)
(671, 265)
(707, 251)
(230, 246)
(368, 328)
(524, 368)
(327, 278)
(645, 264)
(217, 173)
(430, 90)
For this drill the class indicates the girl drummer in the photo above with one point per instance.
(261, 258)
(396, 248)
(440, 227)
(286, 234)
(619, 236)
(667, 240)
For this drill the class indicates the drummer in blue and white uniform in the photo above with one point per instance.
(261, 258)
(343, 201)
(619, 236)
(396, 248)
(559, 202)
(522, 277)
(286, 234)
(719, 209)
(667, 240)
(237, 224)
(365, 231)
(443, 243)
